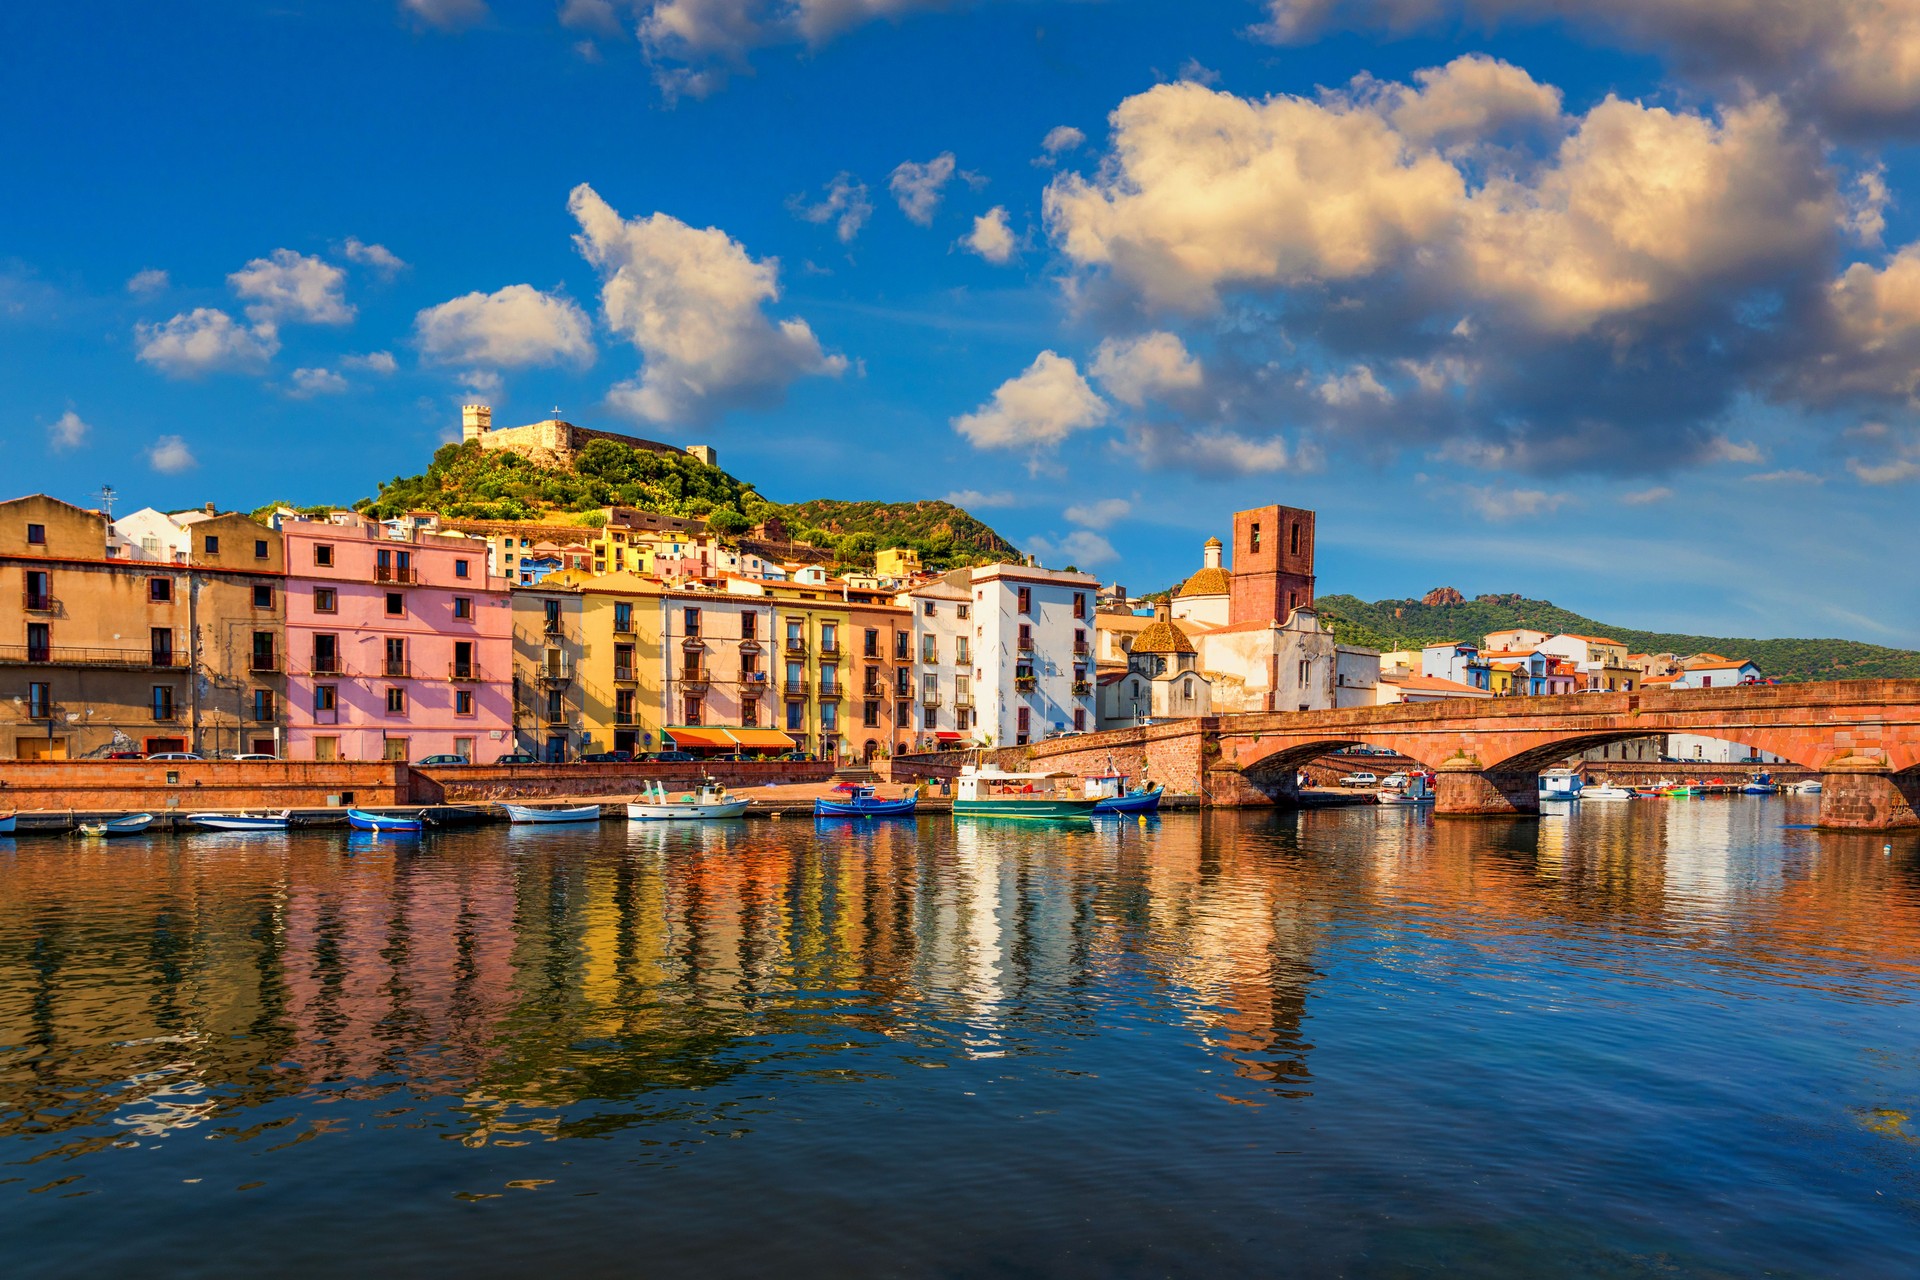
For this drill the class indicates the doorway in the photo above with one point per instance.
(41, 748)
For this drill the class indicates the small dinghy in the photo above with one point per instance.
(1811, 787)
(1605, 793)
(1113, 795)
(711, 801)
(361, 820)
(1762, 785)
(241, 821)
(131, 825)
(577, 813)
(859, 801)
(7, 822)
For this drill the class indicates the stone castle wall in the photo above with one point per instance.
(556, 444)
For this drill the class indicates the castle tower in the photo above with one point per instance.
(1272, 563)
(475, 421)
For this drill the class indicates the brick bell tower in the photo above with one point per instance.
(1272, 564)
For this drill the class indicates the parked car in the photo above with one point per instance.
(175, 755)
(1394, 780)
(123, 755)
(445, 760)
(1361, 779)
(518, 757)
(673, 757)
(792, 755)
(256, 755)
(734, 755)
(606, 757)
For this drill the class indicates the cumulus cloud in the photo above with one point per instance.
(151, 280)
(845, 205)
(381, 362)
(1470, 100)
(316, 382)
(1080, 548)
(1102, 514)
(205, 340)
(693, 303)
(514, 326)
(169, 455)
(972, 499)
(916, 187)
(991, 238)
(1060, 139)
(692, 44)
(1039, 409)
(1647, 497)
(447, 15)
(1210, 450)
(68, 431)
(1871, 345)
(378, 256)
(597, 16)
(1501, 504)
(1356, 386)
(288, 286)
(1151, 365)
(1892, 455)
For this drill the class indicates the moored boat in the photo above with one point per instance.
(1110, 789)
(575, 813)
(1560, 784)
(1606, 792)
(131, 825)
(1762, 785)
(711, 801)
(1811, 787)
(858, 800)
(991, 792)
(382, 823)
(241, 821)
(7, 822)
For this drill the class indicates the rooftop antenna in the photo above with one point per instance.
(107, 496)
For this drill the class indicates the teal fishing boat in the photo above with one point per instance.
(990, 792)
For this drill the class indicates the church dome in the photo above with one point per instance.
(1207, 582)
(1162, 637)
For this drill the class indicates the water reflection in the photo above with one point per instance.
(672, 984)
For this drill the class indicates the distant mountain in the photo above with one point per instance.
(1445, 615)
(466, 482)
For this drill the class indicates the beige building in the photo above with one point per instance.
(1162, 680)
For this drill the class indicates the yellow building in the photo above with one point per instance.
(897, 562)
(587, 660)
(812, 638)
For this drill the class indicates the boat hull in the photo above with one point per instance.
(7, 824)
(1133, 802)
(1606, 793)
(685, 812)
(865, 808)
(378, 823)
(235, 822)
(1025, 809)
(579, 813)
(131, 826)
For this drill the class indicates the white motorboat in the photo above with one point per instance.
(576, 813)
(131, 825)
(655, 804)
(1412, 792)
(1560, 784)
(1605, 792)
(241, 821)
(1811, 787)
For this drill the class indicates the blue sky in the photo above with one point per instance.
(1611, 309)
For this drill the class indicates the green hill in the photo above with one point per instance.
(466, 482)
(1401, 624)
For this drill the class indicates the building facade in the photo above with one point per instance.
(1032, 651)
(942, 682)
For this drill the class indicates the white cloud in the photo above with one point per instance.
(1357, 386)
(1471, 99)
(484, 386)
(381, 362)
(205, 340)
(1039, 408)
(1647, 497)
(1212, 451)
(1060, 139)
(973, 498)
(377, 256)
(692, 43)
(917, 187)
(288, 286)
(1132, 370)
(514, 326)
(1865, 217)
(317, 382)
(68, 431)
(692, 302)
(845, 205)
(1789, 476)
(1499, 504)
(1873, 344)
(447, 15)
(1101, 514)
(597, 16)
(1898, 452)
(1721, 449)
(1080, 548)
(169, 455)
(991, 238)
(150, 280)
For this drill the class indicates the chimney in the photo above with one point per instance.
(475, 421)
(212, 510)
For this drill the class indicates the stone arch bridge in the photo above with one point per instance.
(1863, 736)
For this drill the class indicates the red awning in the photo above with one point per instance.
(762, 739)
(687, 737)
(944, 736)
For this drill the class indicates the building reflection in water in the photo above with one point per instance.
(581, 982)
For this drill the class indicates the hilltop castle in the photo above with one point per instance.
(553, 443)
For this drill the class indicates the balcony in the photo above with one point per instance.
(796, 645)
(34, 655)
(1082, 651)
(794, 689)
(1024, 644)
(319, 666)
(398, 668)
(624, 675)
(465, 671)
(397, 574)
(830, 652)
(929, 697)
(694, 682)
(752, 683)
(963, 700)
(263, 662)
(833, 691)
(1081, 688)
(38, 601)
(1026, 684)
(553, 673)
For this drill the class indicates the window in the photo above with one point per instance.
(623, 706)
(1026, 637)
(396, 656)
(326, 600)
(1026, 599)
(460, 568)
(796, 716)
(463, 608)
(326, 749)
(39, 693)
(829, 717)
(463, 668)
(259, 548)
(326, 697)
(262, 706)
(903, 714)
(163, 702)
(869, 715)
(326, 653)
(692, 619)
(39, 590)
(1296, 537)
(39, 642)
(463, 702)
(1079, 719)
(1306, 671)
(1253, 537)
(1187, 690)
(323, 554)
(829, 637)
(964, 611)
(212, 544)
(692, 710)
(926, 608)
(902, 646)
(394, 749)
(930, 688)
(871, 643)
(160, 590)
(929, 649)
(749, 626)
(396, 702)
(622, 615)
(829, 680)
(396, 604)
(1079, 641)
(749, 714)
(796, 634)
(37, 535)
(961, 654)
(902, 683)
(1293, 600)
(962, 691)
(556, 713)
(1023, 723)
(1079, 604)
(263, 597)
(161, 639)
(263, 655)
(930, 719)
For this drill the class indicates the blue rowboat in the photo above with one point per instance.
(861, 802)
(1138, 800)
(240, 821)
(361, 820)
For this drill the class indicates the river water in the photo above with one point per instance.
(1659, 1038)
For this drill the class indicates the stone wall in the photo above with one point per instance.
(202, 785)
(470, 783)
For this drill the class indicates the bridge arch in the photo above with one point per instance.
(1279, 769)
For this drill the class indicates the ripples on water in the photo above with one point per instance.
(1650, 1039)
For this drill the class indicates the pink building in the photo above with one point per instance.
(399, 643)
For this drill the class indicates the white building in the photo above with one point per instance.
(1695, 749)
(945, 709)
(1032, 652)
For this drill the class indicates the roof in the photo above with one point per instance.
(1595, 639)
(1434, 684)
(1207, 582)
(1727, 664)
(1163, 637)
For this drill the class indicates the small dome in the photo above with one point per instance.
(1207, 582)
(1214, 542)
(1162, 637)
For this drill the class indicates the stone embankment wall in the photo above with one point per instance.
(484, 782)
(1639, 773)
